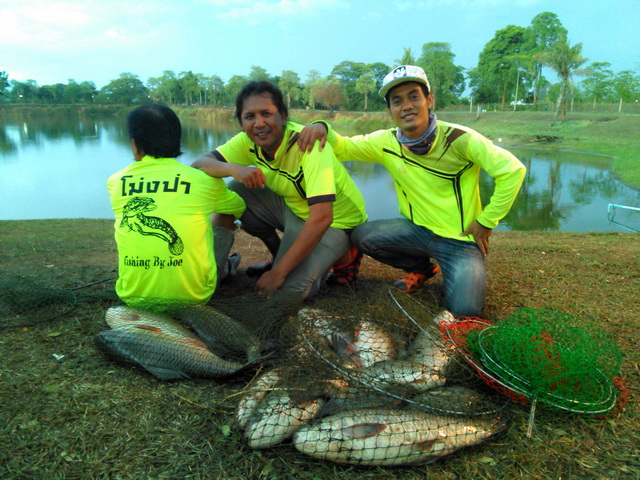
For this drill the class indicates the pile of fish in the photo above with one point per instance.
(192, 342)
(354, 393)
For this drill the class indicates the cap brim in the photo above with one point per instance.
(397, 81)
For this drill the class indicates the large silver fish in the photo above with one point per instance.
(430, 348)
(277, 419)
(166, 356)
(254, 394)
(222, 334)
(392, 437)
(371, 344)
(125, 316)
(407, 373)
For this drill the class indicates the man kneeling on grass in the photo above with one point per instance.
(436, 167)
(309, 197)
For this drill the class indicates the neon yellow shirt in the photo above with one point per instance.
(440, 190)
(163, 230)
(302, 179)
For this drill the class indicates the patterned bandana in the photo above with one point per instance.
(422, 145)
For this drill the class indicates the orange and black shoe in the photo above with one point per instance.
(257, 269)
(413, 281)
(346, 275)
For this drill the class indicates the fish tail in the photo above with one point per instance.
(176, 247)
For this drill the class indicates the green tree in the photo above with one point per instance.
(289, 84)
(24, 92)
(259, 73)
(165, 88)
(598, 86)
(233, 87)
(307, 92)
(626, 86)
(365, 85)
(565, 60)
(446, 78)
(407, 58)
(348, 74)
(545, 29)
(126, 90)
(328, 92)
(497, 70)
(189, 87)
(4, 83)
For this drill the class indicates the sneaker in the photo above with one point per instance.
(232, 266)
(413, 281)
(346, 275)
(257, 269)
(234, 261)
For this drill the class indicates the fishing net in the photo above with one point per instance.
(377, 388)
(544, 356)
(26, 302)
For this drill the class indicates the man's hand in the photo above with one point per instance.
(270, 281)
(308, 136)
(480, 234)
(251, 177)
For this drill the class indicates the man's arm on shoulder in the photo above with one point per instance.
(251, 177)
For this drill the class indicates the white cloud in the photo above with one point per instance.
(75, 26)
(407, 5)
(264, 10)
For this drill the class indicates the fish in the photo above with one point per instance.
(401, 372)
(278, 418)
(317, 322)
(222, 334)
(254, 394)
(124, 316)
(456, 399)
(371, 344)
(386, 437)
(429, 348)
(167, 357)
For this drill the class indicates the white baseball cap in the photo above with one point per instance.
(402, 74)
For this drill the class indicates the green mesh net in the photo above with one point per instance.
(547, 356)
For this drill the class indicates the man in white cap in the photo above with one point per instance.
(436, 167)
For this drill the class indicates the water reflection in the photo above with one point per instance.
(57, 166)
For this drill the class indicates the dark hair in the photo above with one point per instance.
(156, 130)
(424, 88)
(260, 88)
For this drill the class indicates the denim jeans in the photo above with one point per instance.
(267, 212)
(403, 244)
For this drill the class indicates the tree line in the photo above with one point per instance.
(509, 72)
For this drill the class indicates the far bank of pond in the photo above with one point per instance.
(616, 137)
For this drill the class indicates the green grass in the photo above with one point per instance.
(82, 416)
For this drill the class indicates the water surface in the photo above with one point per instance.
(57, 167)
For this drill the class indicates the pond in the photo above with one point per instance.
(57, 168)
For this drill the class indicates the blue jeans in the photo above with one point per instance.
(403, 244)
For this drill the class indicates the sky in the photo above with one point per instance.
(53, 41)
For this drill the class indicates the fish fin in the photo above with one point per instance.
(363, 430)
(197, 342)
(424, 445)
(350, 349)
(165, 373)
(131, 317)
(339, 343)
(151, 328)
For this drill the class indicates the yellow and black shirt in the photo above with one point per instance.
(301, 178)
(163, 230)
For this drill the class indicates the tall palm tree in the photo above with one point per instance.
(565, 61)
